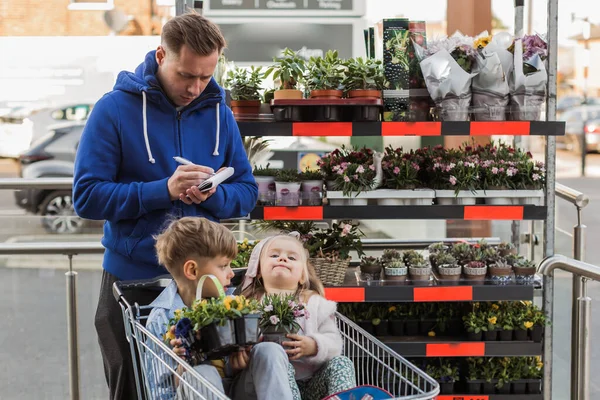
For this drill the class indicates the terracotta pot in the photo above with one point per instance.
(326, 94)
(288, 94)
(519, 271)
(245, 106)
(371, 94)
(495, 271)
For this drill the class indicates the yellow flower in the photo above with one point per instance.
(526, 303)
(244, 246)
(528, 324)
(177, 313)
(227, 302)
(245, 241)
(495, 306)
(540, 365)
(392, 309)
(483, 41)
(493, 320)
(431, 333)
(169, 335)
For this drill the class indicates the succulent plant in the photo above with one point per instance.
(437, 247)
(445, 259)
(524, 263)
(287, 175)
(463, 252)
(413, 258)
(391, 254)
(476, 264)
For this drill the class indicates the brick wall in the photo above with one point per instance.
(53, 18)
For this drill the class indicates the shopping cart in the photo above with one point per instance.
(161, 374)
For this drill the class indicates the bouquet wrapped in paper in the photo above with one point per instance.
(529, 78)
(491, 87)
(449, 66)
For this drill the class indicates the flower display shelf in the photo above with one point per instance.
(490, 397)
(513, 128)
(389, 197)
(433, 212)
(444, 347)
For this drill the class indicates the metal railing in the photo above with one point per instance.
(580, 201)
(580, 359)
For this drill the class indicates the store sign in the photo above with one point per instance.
(280, 4)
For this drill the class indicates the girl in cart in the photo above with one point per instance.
(279, 265)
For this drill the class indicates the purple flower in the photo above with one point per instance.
(346, 179)
(396, 170)
(360, 169)
(298, 313)
(268, 308)
(495, 171)
(274, 319)
(292, 304)
(452, 180)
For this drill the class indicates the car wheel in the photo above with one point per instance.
(58, 214)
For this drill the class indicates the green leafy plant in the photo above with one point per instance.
(463, 252)
(289, 70)
(413, 258)
(279, 313)
(287, 175)
(400, 170)
(474, 368)
(363, 74)
(336, 242)
(244, 84)
(474, 322)
(445, 260)
(390, 255)
(325, 73)
(311, 175)
(243, 256)
(256, 148)
(266, 171)
(443, 371)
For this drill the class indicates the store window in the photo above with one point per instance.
(91, 5)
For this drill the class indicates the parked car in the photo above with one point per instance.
(52, 155)
(41, 120)
(580, 121)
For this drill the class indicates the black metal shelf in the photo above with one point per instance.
(512, 128)
(430, 212)
(450, 347)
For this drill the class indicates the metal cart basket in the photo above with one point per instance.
(161, 374)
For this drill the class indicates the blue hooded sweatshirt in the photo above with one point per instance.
(125, 158)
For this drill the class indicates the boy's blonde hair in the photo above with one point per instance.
(257, 289)
(193, 237)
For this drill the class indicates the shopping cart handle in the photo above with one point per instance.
(159, 282)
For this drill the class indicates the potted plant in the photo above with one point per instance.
(505, 323)
(330, 250)
(245, 86)
(448, 268)
(506, 249)
(245, 248)
(489, 373)
(287, 187)
(505, 374)
(327, 163)
(289, 70)
(462, 252)
(476, 269)
(394, 267)
(519, 372)
(500, 270)
(370, 267)
(324, 76)
(401, 178)
(446, 373)
(363, 78)
(474, 384)
(397, 315)
(364, 316)
(534, 376)
(474, 323)
(539, 323)
(523, 321)
(434, 250)
(265, 179)
(490, 330)
(524, 270)
(312, 187)
(418, 269)
(278, 319)
(380, 320)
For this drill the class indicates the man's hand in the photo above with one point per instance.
(301, 346)
(195, 196)
(185, 177)
(239, 360)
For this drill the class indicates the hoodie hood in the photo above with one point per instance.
(145, 83)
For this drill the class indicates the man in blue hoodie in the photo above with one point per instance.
(125, 172)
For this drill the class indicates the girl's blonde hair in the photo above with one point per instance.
(312, 282)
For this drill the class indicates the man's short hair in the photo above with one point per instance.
(193, 238)
(192, 29)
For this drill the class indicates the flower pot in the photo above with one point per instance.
(475, 274)
(326, 94)
(505, 335)
(474, 337)
(519, 271)
(449, 273)
(274, 335)
(495, 271)
(288, 193)
(381, 329)
(266, 190)
(426, 326)
(520, 335)
(397, 327)
(247, 330)
(489, 387)
(474, 387)
(312, 192)
(289, 113)
(499, 201)
(446, 387)
(370, 268)
(240, 107)
(449, 197)
(288, 94)
(356, 202)
(537, 334)
(361, 93)
(411, 328)
(367, 326)
(519, 387)
(534, 386)
(219, 340)
(396, 274)
(504, 389)
(490, 336)
(419, 274)
(330, 185)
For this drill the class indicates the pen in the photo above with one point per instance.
(185, 161)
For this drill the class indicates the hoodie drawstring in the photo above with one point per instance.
(145, 123)
(216, 152)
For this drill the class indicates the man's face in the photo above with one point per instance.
(184, 77)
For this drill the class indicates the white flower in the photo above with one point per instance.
(268, 308)
(360, 169)
(346, 179)
(535, 177)
(452, 180)
(274, 319)
(452, 165)
(494, 170)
